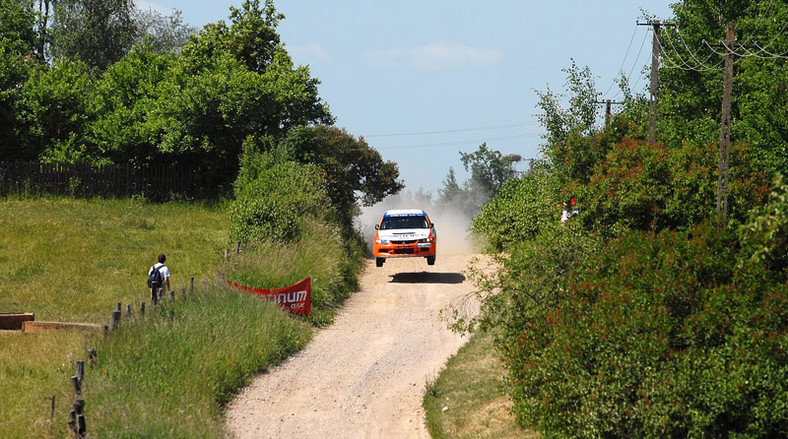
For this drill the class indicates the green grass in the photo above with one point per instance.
(466, 400)
(170, 373)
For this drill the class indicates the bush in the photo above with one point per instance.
(520, 210)
(656, 335)
(273, 204)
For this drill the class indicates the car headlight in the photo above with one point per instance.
(430, 239)
(382, 241)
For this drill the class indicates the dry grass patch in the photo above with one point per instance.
(466, 400)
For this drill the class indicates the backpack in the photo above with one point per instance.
(155, 276)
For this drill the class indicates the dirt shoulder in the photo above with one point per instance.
(364, 376)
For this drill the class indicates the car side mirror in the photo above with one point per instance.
(377, 226)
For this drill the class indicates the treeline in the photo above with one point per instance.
(100, 82)
(647, 313)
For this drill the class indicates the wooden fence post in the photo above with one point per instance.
(114, 322)
(191, 285)
(142, 308)
(80, 369)
(76, 384)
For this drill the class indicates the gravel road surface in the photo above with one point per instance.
(365, 375)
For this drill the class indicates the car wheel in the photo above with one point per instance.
(379, 261)
(430, 260)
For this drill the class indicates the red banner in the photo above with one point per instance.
(296, 298)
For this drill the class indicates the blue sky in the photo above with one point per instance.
(421, 80)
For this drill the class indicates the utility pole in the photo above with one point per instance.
(608, 109)
(654, 87)
(725, 129)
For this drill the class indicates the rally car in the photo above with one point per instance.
(404, 233)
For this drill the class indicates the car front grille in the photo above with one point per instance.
(412, 241)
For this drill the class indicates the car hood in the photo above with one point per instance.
(403, 234)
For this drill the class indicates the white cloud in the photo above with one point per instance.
(145, 5)
(435, 56)
(309, 52)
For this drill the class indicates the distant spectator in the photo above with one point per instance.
(163, 270)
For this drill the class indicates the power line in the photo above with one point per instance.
(620, 71)
(460, 142)
(460, 130)
(634, 64)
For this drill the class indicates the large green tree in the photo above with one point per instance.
(97, 32)
(356, 173)
(17, 45)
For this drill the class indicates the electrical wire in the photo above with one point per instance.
(620, 68)
(460, 130)
(460, 142)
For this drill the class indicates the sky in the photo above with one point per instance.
(422, 80)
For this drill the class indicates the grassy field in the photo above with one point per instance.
(466, 400)
(72, 260)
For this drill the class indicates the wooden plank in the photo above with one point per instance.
(56, 326)
(14, 320)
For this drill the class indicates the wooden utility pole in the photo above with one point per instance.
(654, 88)
(725, 129)
(608, 109)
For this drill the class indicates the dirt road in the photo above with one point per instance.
(364, 376)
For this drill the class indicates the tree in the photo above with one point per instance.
(691, 79)
(164, 33)
(97, 32)
(128, 124)
(355, 172)
(250, 38)
(55, 111)
(17, 45)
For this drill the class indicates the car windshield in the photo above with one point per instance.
(404, 222)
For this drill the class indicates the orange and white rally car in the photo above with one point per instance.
(404, 233)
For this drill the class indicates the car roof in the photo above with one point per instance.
(404, 212)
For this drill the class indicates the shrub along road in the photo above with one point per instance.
(365, 375)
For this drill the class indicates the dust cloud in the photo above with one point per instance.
(451, 223)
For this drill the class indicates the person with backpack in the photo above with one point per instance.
(158, 277)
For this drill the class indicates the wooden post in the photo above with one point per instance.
(80, 369)
(654, 86)
(114, 322)
(237, 247)
(128, 310)
(227, 254)
(142, 308)
(76, 384)
(52, 413)
(725, 129)
(79, 411)
(191, 285)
